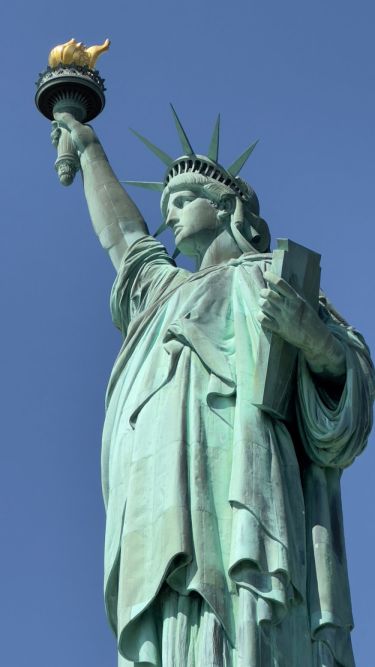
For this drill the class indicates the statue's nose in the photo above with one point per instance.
(172, 216)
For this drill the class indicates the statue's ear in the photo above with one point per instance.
(227, 203)
(259, 233)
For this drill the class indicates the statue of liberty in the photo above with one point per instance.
(224, 539)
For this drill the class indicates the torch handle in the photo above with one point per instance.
(67, 162)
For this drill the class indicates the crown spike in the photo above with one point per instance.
(213, 151)
(157, 151)
(147, 185)
(160, 229)
(237, 165)
(185, 143)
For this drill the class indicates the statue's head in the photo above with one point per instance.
(194, 204)
(200, 198)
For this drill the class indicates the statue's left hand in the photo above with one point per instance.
(285, 312)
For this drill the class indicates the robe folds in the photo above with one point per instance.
(210, 498)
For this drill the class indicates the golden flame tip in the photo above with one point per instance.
(76, 53)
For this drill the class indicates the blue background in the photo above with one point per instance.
(297, 75)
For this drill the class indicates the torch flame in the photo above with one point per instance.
(76, 53)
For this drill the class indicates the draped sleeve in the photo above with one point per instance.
(334, 431)
(146, 273)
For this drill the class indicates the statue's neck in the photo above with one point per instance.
(220, 250)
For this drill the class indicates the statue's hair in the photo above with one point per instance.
(215, 191)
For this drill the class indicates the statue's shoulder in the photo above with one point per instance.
(250, 260)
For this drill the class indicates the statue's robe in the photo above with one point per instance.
(208, 498)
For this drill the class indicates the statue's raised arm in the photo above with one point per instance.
(116, 219)
(70, 92)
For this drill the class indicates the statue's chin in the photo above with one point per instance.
(186, 245)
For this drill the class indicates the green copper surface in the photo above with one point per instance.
(157, 151)
(185, 143)
(237, 165)
(224, 539)
(147, 185)
(213, 151)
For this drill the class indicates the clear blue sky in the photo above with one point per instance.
(297, 75)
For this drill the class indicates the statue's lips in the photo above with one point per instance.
(175, 227)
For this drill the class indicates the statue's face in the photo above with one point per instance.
(193, 219)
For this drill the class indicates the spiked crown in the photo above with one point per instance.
(205, 165)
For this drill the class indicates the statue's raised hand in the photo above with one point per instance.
(81, 135)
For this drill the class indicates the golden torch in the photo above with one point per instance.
(71, 84)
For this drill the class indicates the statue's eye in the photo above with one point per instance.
(182, 201)
(186, 200)
(178, 202)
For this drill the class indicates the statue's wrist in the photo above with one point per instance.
(92, 152)
(327, 357)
